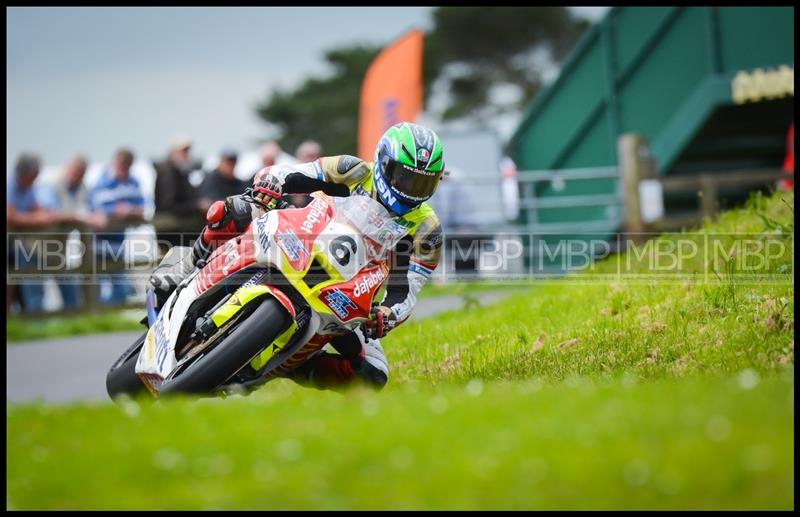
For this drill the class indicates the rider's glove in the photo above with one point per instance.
(233, 214)
(267, 192)
(218, 215)
(382, 320)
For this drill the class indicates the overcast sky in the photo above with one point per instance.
(92, 79)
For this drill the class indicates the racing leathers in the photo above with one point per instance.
(360, 356)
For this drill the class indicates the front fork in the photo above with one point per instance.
(150, 303)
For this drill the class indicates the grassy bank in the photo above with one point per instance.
(704, 318)
(601, 390)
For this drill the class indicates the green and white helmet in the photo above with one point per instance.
(409, 164)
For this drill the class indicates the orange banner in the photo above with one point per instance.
(391, 92)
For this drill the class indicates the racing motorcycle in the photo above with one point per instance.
(264, 302)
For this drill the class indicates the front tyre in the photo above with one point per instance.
(250, 337)
(121, 379)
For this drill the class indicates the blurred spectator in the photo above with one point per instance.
(509, 188)
(453, 204)
(68, 195)
(120, 198)
(456, 210)
(270, 151)
(308, 151)
(179, 208)
(221, 182)
(25, 213)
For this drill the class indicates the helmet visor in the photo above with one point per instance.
(410, 184)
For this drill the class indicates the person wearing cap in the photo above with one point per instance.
(179, 208)
(222, 182)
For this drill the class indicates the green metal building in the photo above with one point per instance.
(710, 88)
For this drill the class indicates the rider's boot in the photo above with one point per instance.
(177, 264)
(359, 360)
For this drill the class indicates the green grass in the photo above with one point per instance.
(698, 322)
(698, 443)
(594, 391)
(21, 329)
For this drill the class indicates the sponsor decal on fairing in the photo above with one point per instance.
(263, 234)
(340, 303)
(254, 279)
(290, 243)
(369, 282)
(316, 214)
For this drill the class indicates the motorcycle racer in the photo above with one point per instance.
(407, 168)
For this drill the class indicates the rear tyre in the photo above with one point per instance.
(251, 336)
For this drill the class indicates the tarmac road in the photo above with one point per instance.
(74, 368)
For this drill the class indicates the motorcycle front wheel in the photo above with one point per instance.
(121, 379)
(211, 369)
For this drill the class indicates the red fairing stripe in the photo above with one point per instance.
(226, 260)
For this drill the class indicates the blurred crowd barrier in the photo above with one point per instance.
(82, 235)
